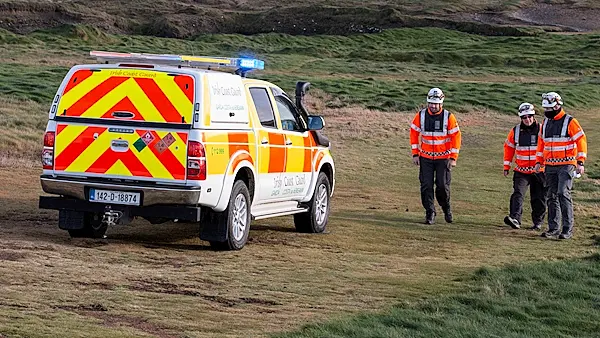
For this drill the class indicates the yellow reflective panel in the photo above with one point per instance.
(119, 169)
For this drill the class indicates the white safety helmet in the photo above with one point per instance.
(551, 99)
(435, 95)
(526, 109)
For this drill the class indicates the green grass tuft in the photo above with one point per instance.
(559, 298)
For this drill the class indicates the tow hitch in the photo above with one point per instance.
(111, 217)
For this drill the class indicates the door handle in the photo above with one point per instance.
(288, 142)
(264, 140)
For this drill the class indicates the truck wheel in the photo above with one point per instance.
(315, 220)
(92, 227)
(237, 217)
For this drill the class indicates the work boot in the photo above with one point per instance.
(448, 215)
(512, 222)
(430, 217)
(565, 235)
(550, 233)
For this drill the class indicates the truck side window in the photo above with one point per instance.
(263, 107)
(288, 115)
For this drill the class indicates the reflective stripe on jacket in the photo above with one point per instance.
(561, 141)
(440, 136)
(521, 144)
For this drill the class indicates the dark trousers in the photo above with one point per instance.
(536, 183)
(430, 172)
(560, 204)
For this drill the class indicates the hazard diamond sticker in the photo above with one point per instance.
(160, 146)
(148, 138)
(139, 144)
(168, 139)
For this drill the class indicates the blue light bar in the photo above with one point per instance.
(248, 64)
(241, 64)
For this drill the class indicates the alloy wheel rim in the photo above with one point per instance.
(321, 205)
(240, 217)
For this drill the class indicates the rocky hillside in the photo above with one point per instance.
(188, 18)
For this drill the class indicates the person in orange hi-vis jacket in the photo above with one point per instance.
(435, 142)
(562, 148)
(521, 144)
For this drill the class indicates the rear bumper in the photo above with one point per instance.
(151, 195)
(187, 213)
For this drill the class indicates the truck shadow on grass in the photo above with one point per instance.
(43, 227)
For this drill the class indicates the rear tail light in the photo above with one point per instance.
(49, 139)
(196, 164)
(48, 151)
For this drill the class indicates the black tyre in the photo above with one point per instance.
(315, 220)
(92, 227)
(238, 219)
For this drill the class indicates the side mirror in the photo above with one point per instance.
(315, 122)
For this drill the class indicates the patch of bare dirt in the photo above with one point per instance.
(100, 311)
(549, 17)
(12, 305)
(563, 16)
(12, 256)
(80, 307)
(100, 285)
(157, 286)
(137, 323)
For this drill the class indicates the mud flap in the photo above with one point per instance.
(71, 220)
(213, 226)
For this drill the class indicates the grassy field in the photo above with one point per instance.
(557, 299)
(389, 71)
(162, 281)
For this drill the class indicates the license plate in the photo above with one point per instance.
(116, 197)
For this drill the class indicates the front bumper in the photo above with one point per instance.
(152, 194)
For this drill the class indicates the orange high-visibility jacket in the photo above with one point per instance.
(561, 141)
(524, 142)
(440, 135)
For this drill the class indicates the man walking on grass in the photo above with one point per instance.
(523, 140)
(562, 148)
(435, 153)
